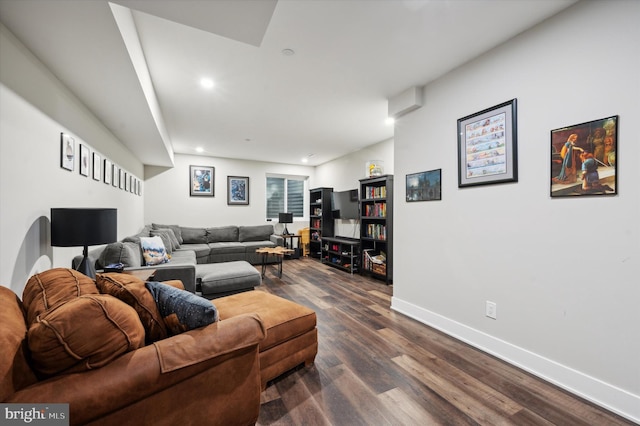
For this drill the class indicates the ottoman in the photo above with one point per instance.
(292, 337)
(222, 279)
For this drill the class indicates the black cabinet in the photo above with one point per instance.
(376, 227)
(320, 219)
(341, 252)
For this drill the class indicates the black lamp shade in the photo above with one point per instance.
(83, 227)
(285, 217)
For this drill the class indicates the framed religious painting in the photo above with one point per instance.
(487, 146)
(584, 159)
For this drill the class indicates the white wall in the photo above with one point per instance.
(167, 198)
(344, 173)
(563, 272)
(36, 108)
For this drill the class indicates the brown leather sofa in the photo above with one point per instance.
(209, 375)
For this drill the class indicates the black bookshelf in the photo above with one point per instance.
(320, 219)
(376, 227)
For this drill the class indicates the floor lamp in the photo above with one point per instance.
(83, 227)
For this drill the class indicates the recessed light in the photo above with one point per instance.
(389, 121)
(199, 149)
(305, 160)
(206, 83)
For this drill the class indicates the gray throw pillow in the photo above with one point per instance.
(172, 235)
(127, 253)
(176, 230)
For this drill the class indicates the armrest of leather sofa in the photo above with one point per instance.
(138, 385)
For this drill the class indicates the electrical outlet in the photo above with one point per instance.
(491, 310)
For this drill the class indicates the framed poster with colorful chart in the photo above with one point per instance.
(487, 146)
(201, 181)
(583, 159)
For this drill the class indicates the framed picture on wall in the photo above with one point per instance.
(84, 160)
(201, 181)
(424, 186)
(97, 163)
(237, 190)
(487, 146)
(67, 151)
(115, 176)
(583, 159)
(107, 171)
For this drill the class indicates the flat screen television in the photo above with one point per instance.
(345, 204)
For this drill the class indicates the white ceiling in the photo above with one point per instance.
(137, 67)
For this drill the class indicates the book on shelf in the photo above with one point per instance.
(376, 231)
(376, 210)
(371, 192)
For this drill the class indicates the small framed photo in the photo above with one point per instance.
(97, 163)
(584, 159)
(127, 179)
(237, 190)
(115, 176)
(107, 171)
(201, 181)
(84, 160)
(487, 146)
(424, 186)
(121, 178)
(67, 151)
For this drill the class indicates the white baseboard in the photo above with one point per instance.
(603, 394)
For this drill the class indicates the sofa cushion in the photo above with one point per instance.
(176, 230)
(194, 235)
(132, 291)
(282, 318)
(201, 251)
(84, 333)
(48, 289)
(153, 251)
(181, 310)
(226, 247)
(222, 234)
(254, 233)
(128, 253)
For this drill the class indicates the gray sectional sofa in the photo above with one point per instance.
(195, 246)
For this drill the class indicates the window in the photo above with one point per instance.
(285, 195)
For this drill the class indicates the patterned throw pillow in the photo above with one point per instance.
(153, 251)
(181, 310)
(166, 240)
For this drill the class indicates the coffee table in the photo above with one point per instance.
(278, 251)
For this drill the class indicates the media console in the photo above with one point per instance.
(341, 252)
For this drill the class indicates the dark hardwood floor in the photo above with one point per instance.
(378, 367)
